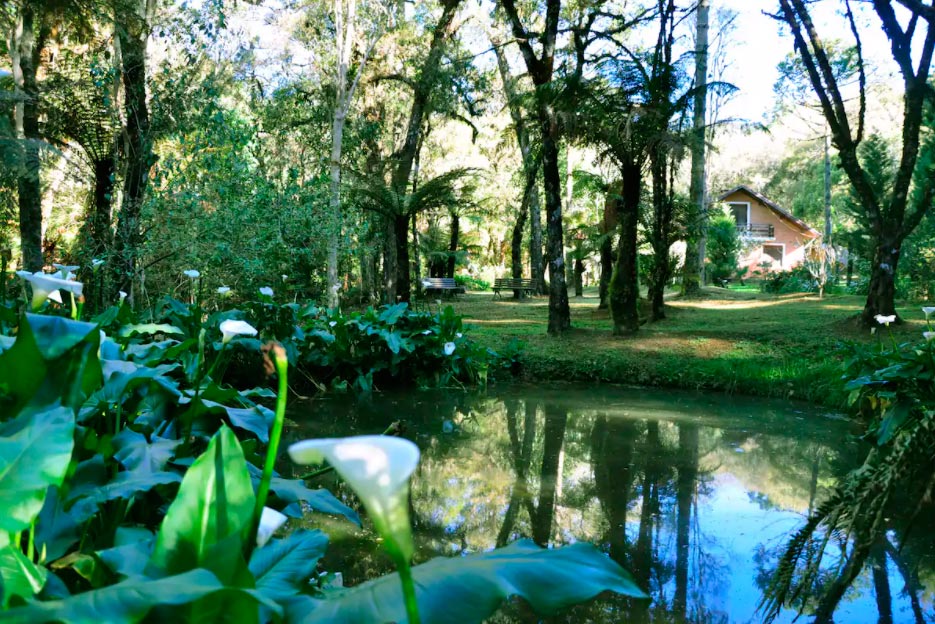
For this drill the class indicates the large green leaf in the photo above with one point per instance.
(35, 449)
(211, 515)
(125, 602)
(282, 568)
(19, 576)
(291, 491)
(462, 590)
(138, 454)
(150, 329)
(126, 484)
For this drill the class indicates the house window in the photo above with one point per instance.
(741, 212)
(774, 253)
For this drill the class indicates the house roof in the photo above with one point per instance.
(782, 212)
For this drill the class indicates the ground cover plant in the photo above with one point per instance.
(139, 485)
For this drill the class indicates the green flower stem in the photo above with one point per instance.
(409, 589)
(31, 542)
(282, 371)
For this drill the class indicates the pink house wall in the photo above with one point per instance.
(786, 232)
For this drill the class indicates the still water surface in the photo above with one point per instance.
(695, 494)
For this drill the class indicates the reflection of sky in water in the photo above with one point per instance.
(751, 493)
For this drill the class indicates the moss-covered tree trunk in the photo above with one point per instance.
(624, 293)
(28, 181)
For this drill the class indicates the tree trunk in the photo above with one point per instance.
(334, 205)
(579, 272)
(516, 246)
(99, 230)
(401, 226)
(133, 35)
(693, 268)
(453, 244)
(28, 181)
(624, 291)
(881, 297)
(416, 259)
(405, 157)
(609, 225)
(659, 234)
(559, 312)
(536, 262)
(390, 260)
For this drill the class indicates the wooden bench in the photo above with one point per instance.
(524, 286)
(444, 286)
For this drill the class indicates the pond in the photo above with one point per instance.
(695, 494)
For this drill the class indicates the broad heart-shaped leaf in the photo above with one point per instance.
(139, 455)
(126, 484)
(55, 335)
(294, 490)
(123, 603)
(19, 576)
(257, 420)
(35, 449)
(461, 590)
(208, 522)
(283, 567)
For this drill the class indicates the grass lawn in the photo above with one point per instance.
(732, 340)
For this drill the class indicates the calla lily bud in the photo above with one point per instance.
(378, 469)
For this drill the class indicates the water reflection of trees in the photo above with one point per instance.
(532, 467)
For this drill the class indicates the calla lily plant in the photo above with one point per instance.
(378, 469)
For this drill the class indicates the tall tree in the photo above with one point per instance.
(134, 22)
(697, 223)
(891, 216)
(529, 204)
(346, 81)
(541, 69)
(422, 89)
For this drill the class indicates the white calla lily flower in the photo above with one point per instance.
(927, 310)
(449, 348)
(267, 291)
(885, 320)
(96, 263)
(378, 469)
(929, 336)
(65, 271)
(123, 295)
(270, 522)
(224, 290)
(191, 274)
(231, 328)
(44, 285)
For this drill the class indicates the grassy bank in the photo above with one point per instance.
(727, 340)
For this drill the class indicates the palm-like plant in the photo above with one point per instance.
(450, 191)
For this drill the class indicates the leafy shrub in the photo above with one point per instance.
(723, 248)
(472, 283)
(794, 280)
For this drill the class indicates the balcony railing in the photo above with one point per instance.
(757, 230)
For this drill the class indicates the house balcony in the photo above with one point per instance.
(757, 230)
